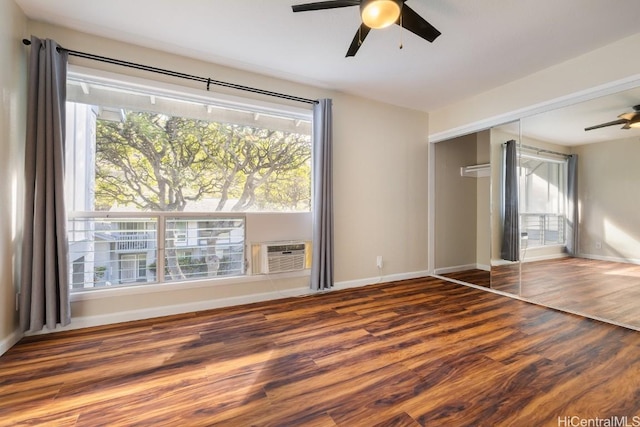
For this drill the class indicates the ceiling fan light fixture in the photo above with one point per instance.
(378, 14)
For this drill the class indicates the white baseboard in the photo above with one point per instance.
(381, 279)
(483, 267)
(611, 258)
(544, 257)
(10, 341)
(454, 269)
(500, 262)
(149, 313)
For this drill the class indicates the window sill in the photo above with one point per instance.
(541, 247)
(178, 286)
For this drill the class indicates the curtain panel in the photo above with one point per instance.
(510, 249)
(322, 255)
(44, 288)
(572, 205)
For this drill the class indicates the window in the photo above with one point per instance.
(133, 268)
(158, 181)
(542, 200)
(77, 272)
(115, 250)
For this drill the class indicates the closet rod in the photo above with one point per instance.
(171, 73)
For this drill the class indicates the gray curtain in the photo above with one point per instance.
(511, 231)
(44, 290)
(322, 257)
(572, 205)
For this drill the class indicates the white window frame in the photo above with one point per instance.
(561, 204)
(215, 99)
(212, 98)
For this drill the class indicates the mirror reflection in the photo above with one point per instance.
(462, 208)
(590, 256)
(571, 238)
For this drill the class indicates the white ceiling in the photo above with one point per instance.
(484, 43)
(566, 125)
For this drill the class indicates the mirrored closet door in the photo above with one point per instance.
(571, 239)
(583, 257)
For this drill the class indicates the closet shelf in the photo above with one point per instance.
(476, 171)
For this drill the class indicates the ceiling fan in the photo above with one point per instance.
(629, 120)
(377, 14)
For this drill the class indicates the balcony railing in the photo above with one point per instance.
(134, 241)
(543, 229)
(113, 249)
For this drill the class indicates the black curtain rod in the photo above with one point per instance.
(542, 150)
(208, 81)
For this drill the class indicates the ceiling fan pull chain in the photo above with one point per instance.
(400, 31)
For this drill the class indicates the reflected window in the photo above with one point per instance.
(543, 187)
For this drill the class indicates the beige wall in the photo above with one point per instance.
(12, 127)
(455, 204)
(608, 64)
(608, 177)
(380, 185)
(462, 205)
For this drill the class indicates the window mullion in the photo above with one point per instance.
(160, 239)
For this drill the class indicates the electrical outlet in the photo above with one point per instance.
(379, 261)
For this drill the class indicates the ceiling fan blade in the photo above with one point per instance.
(603, 125)
(358, 39)
(321, 5)
(415, 23)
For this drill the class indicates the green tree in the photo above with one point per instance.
(154, 162)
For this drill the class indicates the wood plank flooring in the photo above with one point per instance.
(422, 352)
(603, 289)
(475, 276)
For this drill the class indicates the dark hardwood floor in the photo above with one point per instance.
(412, 353)
(475, 276)
(602, 289)
(609, 290)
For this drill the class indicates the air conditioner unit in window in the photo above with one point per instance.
(279, 257)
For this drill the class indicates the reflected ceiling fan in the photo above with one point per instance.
(629, 120)
(377, 14)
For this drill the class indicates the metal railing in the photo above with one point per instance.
(133, 241)
(123, 249)
(543, 228)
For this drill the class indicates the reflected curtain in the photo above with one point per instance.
(572, 205)
(510, 249)
(44, 289)
(322, 255)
